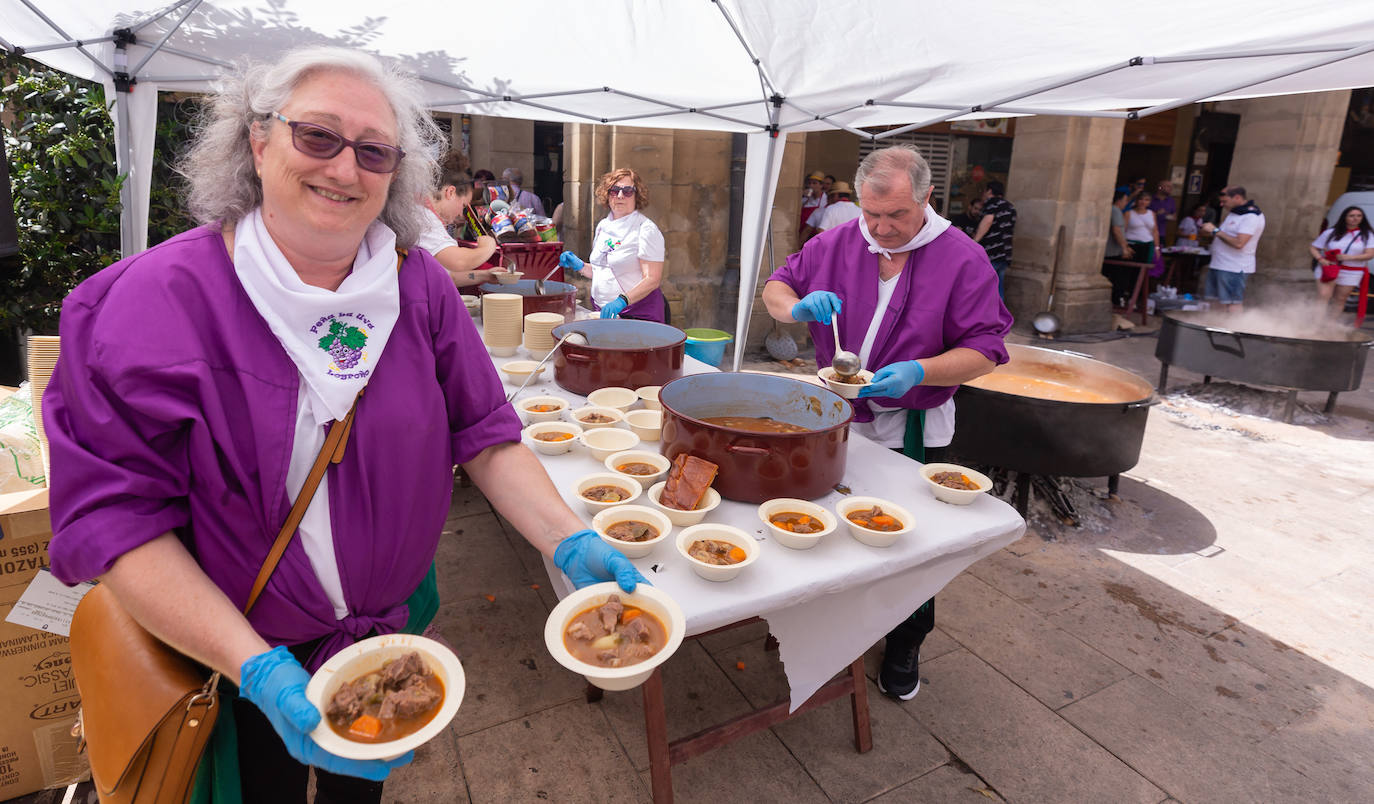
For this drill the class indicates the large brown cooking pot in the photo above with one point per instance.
(619, 351)
(558, 297)
(759, 466)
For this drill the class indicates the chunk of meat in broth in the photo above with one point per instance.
(609, 613)
(580, 630)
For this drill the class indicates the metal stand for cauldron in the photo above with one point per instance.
(1290, 405)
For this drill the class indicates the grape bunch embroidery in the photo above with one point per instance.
(343, 343)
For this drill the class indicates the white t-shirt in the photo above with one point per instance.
(829, 217)
(1226, 257)
(617, 248)
(888, 427)
(316, 529)
(435, 238)
(1347, 243)
(1140, 226)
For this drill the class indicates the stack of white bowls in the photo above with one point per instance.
(539, 339)
(501, 317)
(42, 358)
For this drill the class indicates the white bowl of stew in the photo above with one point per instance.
(634, 530)
(645, 467)
(603, 442)
(881, 529)
(678, 516)
(592, 417)
(741, 551)
(550, 409)
(399, 733)
(575, 653)
(848, 390)
(553, 438)
(595, 485)
(943, 477)
(798, 524)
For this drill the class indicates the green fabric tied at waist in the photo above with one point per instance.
(217, 778)
(913, 441)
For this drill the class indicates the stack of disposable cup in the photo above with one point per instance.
(42, 358)
(502, 314)
(539, 339)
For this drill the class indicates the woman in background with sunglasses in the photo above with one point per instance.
(199, 378)
(626, 263)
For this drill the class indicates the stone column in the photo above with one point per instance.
(498, 143)
(1286, 148)
(1063, 171)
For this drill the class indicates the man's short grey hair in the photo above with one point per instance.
(513, 175)
(223, 185)
(882, 167)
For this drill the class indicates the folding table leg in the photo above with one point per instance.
(863, 732)
(656, 735)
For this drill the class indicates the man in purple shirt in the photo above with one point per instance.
(921, 303)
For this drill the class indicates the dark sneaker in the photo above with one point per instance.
(900, 675)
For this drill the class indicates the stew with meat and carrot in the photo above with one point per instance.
(797, 523)
(632, 531)
(552, 435)
(715, 551)
(386, 704)
(606, 493)
(614, 634)
(875, 519)
(954, 480)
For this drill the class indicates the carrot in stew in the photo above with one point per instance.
(883, 520)
(737, 554)
(629, 614)
(366, 726)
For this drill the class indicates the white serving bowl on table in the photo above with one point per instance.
(368, 656)
(648, 394)
(616, 416)
(603, 442)
(722, 533)
(848, 390)
(870, 537)
(517, 371)
(552, 447)
(647, 424)
(632, 513)
(649, 598)
(631, 488)
(679, 517)
(955, 496)
(503, 351)
(787, 538)
(639, 456)
(613, 397)
(546, 416)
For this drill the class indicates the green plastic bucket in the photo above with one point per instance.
(707, 345)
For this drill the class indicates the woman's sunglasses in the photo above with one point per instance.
(323, 143)
(619, 189)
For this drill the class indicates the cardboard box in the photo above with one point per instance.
(38, 698)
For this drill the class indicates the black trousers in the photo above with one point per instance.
(270, 775)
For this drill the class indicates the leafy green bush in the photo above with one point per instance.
(60, 143)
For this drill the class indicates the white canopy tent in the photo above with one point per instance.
(762, 67)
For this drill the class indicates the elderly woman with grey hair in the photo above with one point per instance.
(199, 378)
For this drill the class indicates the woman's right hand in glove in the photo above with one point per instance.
(818, 305)
(275, 682)
(570, 260)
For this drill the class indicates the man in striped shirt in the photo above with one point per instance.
(994, 231)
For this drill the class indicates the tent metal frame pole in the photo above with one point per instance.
(124, 143)
(766, 81)
(765, 219)
(835, 123)
(186, 54)
(176, 79)
(1063, 82)
(1360, 50)
(168, 35)
(58, 30)
(1006, 109)
(69, 43)
(4, 43)
(157, 15)
(1254, 54)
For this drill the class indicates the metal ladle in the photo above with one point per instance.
(578, 339)
(845, 364)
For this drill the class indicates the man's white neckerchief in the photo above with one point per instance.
(933, 228)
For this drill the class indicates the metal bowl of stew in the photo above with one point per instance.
(716, 417)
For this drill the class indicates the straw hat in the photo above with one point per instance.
(817, 175)
(841, 187)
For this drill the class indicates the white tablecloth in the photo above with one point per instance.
(829, 604)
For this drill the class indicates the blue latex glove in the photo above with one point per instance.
(895, 379)
(614, 307)
(570, 260)
(819, 305)
(586, 560)
(275, 682)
